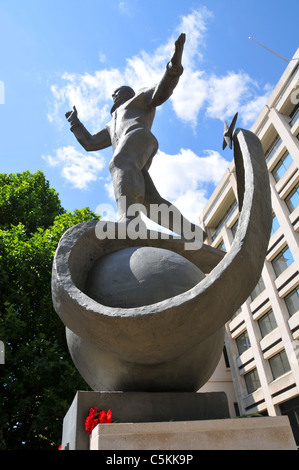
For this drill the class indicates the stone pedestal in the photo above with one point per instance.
(271, 433)
(140, 407)
(170, 421)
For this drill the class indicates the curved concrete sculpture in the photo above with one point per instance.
(174, 344)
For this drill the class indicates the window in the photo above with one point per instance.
(243, 342)
(267, 323)
(236, 313)
(282, 261)
(294, 115)
(273, 147)
(224, 219)
(234, 228)
(292, 199)
(283, 164)
(279, 364)
(275, 225)
(292, 301)
(221, 246)
(260, 287)
(252, 381)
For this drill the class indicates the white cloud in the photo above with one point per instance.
(236, 91)
(192, 90)
(225, 94)
(251, 109)
(191, 96)
(77, 168)
(182, 179)
(218, 97)
(90, 93)
(195, 27)
(191, 204)
(146, 69)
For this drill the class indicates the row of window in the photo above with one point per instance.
(283, 164)
(281, 261)
(291, 200)
(267, 322)
(279, 365)
(277, 141)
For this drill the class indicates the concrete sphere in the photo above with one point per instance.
(137, 276)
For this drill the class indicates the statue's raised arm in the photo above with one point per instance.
(176, 60)
(174, 70)
(89, 142)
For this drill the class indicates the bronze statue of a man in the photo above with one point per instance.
(134, 145)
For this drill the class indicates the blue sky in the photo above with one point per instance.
(60, 53)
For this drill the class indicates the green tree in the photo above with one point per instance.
(38, 380)
(27, 198)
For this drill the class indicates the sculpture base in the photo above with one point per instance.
(140, 407)
(225, 434)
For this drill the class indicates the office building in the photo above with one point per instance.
(262, 340)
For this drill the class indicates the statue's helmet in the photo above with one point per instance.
(123, 91)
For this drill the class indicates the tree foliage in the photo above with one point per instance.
(38, 380)
(28, 199)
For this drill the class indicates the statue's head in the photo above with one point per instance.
(122, 94)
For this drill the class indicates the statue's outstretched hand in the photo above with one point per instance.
(71, 115)
(176, 60)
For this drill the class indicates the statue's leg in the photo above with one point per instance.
(131, 155)
(163, 212)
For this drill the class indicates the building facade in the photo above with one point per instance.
(262, 340)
